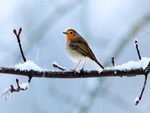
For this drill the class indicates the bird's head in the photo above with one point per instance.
(71, 33)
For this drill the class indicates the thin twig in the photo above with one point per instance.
(58, 67)
(18, 39)
(12, 89)
(136, 45)
(140, 97)
(113, 61)
(145, 81)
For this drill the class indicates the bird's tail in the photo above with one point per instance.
(99, 64)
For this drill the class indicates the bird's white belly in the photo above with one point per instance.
(75, 56)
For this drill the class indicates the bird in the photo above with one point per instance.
(78, 49)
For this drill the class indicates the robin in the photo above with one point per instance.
(78, 49)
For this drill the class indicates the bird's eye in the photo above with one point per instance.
(71, 32)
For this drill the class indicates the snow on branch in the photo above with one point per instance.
(129, 69)
(30, 69)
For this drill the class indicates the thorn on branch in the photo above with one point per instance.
(136, 45)
(18, 39)
(113, 61)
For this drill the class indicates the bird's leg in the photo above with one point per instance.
(77, 64)
(83, 66)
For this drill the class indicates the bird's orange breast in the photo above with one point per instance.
(69, 37)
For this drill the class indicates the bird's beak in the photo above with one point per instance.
(64, 32)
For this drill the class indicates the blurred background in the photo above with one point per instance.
(109, 26)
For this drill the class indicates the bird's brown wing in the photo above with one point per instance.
(80, 45)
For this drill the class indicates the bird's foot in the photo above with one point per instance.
(81, 70)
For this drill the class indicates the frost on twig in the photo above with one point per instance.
(12, 89)
(27, 68)
(130, 69)
(58, 66)
(6, 93)
(136, 101)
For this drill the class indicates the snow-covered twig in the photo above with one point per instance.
(58, 66)
(12, 89)
(130, 69)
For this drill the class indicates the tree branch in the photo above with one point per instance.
(113, 61)
(18, 39)
(72, 74)
(128, 71)
(137, 48)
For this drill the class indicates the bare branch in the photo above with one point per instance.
(140, 97)
(18, 39)
(145, 81)
(137, 48)
(113, 61)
